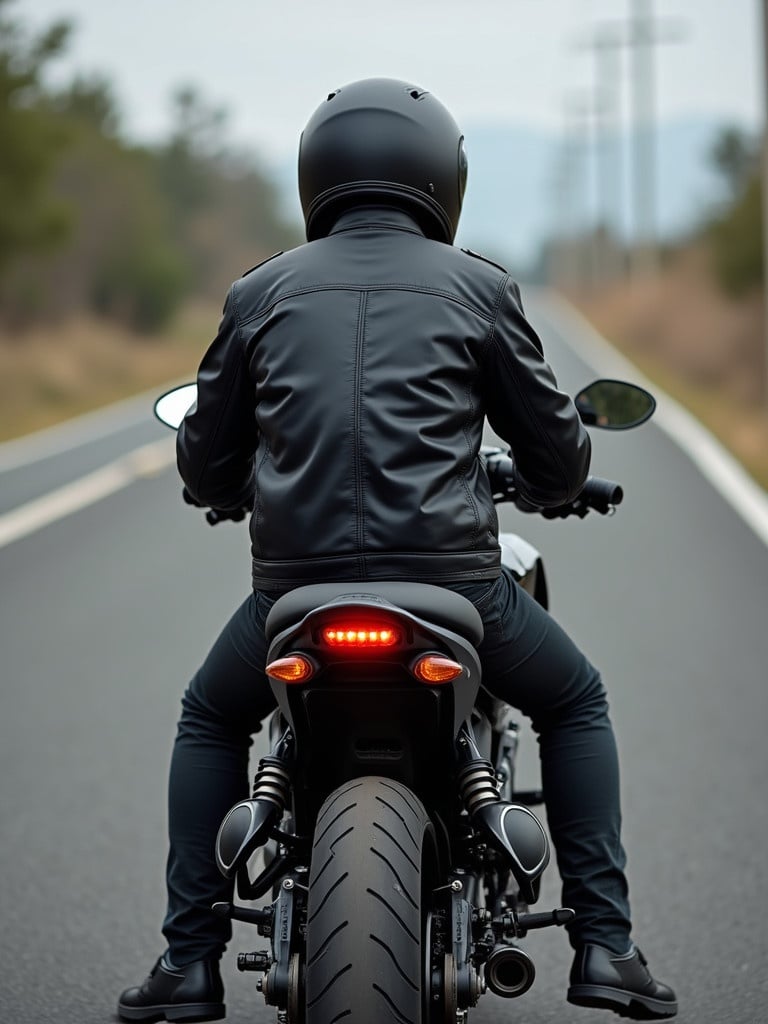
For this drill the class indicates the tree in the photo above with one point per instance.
(735, 157)
(738, 242)
(31, 139)
(736, 233)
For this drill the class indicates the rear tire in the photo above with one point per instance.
(372, 866)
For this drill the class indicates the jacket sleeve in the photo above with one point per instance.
(217, 440)
(540, 423)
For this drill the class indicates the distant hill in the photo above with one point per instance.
(511, 205)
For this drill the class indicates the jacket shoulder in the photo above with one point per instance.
(261, 264)
(484, 259)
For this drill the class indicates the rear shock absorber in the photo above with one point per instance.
(476, 779)
(272, 782)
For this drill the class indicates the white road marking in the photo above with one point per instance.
(81, 430)
(147, 461)
(716, 464)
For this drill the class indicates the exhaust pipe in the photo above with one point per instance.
(509, 972)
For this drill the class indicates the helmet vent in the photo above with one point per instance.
(417, 94)
(331, 95)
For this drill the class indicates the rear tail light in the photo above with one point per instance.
(361, 635)
(435, 669)
(293, 669)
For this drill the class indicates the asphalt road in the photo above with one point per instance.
(104, 614)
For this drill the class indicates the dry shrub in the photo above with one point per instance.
(50, 374)
(705, 348)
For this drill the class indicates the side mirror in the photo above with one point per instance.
(173, 406)
(614, 405)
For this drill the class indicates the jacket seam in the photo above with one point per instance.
(463, 475)
(259, 504)
(473, 504)
(388, 553)
(540, 430)
(225, 405)
(355, 286)
(357, 441)
(494, 317)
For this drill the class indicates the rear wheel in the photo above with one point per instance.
(372, 868)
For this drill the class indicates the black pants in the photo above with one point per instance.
(528, 661)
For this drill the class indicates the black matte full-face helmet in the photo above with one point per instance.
(382, 141)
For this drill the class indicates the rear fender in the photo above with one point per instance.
(425, 636)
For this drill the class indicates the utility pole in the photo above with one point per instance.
(606, 44)
(641, 34)
(583, 257)
(645, 34)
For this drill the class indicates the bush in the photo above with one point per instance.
(141, 285)
(737, 241)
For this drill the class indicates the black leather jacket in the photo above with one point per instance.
(343, 401)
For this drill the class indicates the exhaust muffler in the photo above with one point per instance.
(509, 972)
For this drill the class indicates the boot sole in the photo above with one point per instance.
(179, 1013)
(625, 1004)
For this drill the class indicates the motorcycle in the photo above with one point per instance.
(399, 859)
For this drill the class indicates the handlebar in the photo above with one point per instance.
(214, 516)
(597, 495)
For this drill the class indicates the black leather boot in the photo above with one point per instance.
(623, 984)
(191, 993)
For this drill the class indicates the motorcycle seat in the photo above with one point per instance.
(433, 604)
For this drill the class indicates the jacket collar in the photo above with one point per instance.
(362, 217)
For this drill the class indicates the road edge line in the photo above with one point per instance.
(81, 430)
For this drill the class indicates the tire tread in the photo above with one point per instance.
(364, 918)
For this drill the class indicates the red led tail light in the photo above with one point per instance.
(355, 635)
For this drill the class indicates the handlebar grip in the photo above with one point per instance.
(500, 468)
(601, 494)
(214, 516)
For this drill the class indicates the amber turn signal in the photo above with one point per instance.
(433, 668)
(293, 669)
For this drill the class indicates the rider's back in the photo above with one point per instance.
(370, 357)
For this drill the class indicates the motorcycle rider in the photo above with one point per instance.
(342, 403)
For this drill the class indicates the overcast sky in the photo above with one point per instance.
(271, 63)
